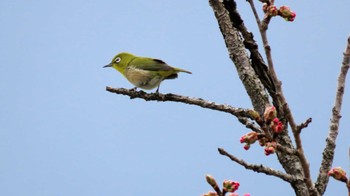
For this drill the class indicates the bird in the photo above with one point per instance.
(143, 72)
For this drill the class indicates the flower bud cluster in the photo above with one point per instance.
(229, 186)
(270, 117)
(270, 124)
(284, 11)
(249, 139)
(276, 126)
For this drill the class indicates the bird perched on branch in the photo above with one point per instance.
(143, 72)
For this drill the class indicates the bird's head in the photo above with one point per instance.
(121, 61)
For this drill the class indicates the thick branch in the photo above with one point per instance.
(283, 149)
(229, 19)
(328, 152)
(238, 112)
(231, 25)
(257, 62)
(261, 168)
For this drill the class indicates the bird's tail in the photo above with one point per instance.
(182, 70)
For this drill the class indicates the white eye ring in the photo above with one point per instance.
(117, 60)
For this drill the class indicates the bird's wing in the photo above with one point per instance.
(150, 64)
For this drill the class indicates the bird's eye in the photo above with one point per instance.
(117, 60)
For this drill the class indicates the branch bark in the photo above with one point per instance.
(238, 112)
(224, 12)
(261, 168)
(328, 152)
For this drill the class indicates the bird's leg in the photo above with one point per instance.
(157, 91)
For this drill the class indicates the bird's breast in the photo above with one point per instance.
(143, 78)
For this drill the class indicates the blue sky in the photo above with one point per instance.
(61, 133)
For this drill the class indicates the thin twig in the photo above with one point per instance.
(267, 18)
(328, 152)
(238, 112)
(260, 168)
(249, 124)
(251, 2)
(304, 124)
(283, 102)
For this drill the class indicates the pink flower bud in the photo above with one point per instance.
(338, 173)
(279, 128)
(286, 13)
(276, 126)
(230, 186)
(242, 139)
(292, 16)
(275, 120)
(246, 147)
(210, 193)
(249, 138)
(270, 148)
(270, 113)
(272, 10)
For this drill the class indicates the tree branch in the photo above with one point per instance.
(257, 61)
(290, 151)
(238, 112)
(328, 152)
(249, 125)
(261, 168)
(231, 25)
(229, 20)
(282, 107)
(304, 125)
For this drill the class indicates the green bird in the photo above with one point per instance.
(143, 72)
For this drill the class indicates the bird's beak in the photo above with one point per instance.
(109, 65)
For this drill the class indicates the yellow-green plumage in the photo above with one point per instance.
(143, 72)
